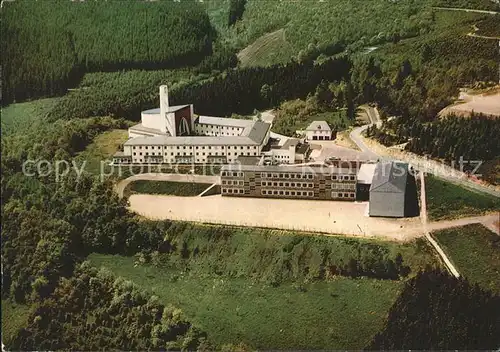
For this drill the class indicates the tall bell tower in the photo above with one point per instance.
(167, 118)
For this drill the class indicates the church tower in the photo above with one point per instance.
(167, 117)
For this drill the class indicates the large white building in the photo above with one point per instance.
(174, 134)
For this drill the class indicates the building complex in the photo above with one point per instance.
(389, 187)
(174, 134)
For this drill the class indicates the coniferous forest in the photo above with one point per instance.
(51, 44)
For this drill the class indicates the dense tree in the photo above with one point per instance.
(236, 9)
(92, 310)
(435, 311)
(46, 57)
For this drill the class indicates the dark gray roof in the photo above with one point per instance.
(390, 177)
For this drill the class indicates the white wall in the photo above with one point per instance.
(311, 134)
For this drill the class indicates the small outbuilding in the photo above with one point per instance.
(393, 192)
(319, 131)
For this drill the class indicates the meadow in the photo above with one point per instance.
(475, 251)
(339, 314)
(446, 200)
(20, 117)
(14, 317)
(269, 289)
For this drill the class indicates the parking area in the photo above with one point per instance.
(328, 217)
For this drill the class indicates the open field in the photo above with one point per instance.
(271, 48)
(448, 201)
(20, 117)
(183, 189)
(475, 251)
(340, 314)
(486, 103)
(14, 317)
(102, 149)
(291, 214)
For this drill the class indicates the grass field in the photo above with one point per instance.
(14, 317)
(21, 116)
(448, 201)
(341, 314)
(165, 187)
(102, 150)
(271, 48)
(475, 251)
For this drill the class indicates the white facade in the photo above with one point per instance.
(318, 131)
(165, 137)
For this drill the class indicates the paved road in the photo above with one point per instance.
(378, 151)
(120, 186)
(356, 137)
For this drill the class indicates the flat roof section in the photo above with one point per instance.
(366, 173)
(156, 111)
(328, 170)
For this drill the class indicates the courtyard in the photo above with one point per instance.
(328, 217)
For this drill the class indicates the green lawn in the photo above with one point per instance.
(448, 201)
(186, 189)
(269, 49)
(102, 149)
(475, 251)
(14, 317)
(21, 116)
(339, 314)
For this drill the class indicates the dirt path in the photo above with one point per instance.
(467, 10)
(324, 217)
(357, 138)
(120, 186)
(423, 216)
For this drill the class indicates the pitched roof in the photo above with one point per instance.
(390, 177)
(253, 134)
(318, 126)
(222, 121)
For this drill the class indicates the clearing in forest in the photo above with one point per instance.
(271, 48)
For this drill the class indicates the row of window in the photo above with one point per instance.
(232, 174)
(191, 153)
(343, 177)
(203, 126)
(152, 147)
(344, 186)
(287, 184)
(178, 160)
(231, 183)
(233, 191)
(292, 176)
(342, 195)
(269, 192)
